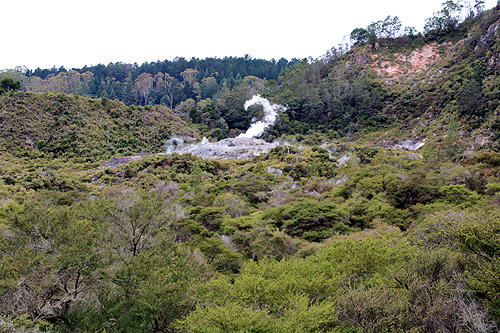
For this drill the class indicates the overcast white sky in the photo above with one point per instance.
(46, 33)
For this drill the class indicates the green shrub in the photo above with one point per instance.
(309, 219)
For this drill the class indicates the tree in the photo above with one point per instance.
(21, 69)
(255, 84)
(446, 19)
(390, 27)
(469, 98)
(160, 82)
(138, 216)
(189, 76)
(172, 89)
(185, 107)
(8, 84)
(410, 31)
(144, 84)
(86, 80)
(479, 6)
(128, 93)
(230, 107)
(15, 74)
(74, 81)
(473, 9)
(208, 87)
(34, 83)
(359, 35)
(57, 254)
(152, 290)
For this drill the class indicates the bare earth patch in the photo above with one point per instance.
(418, 61)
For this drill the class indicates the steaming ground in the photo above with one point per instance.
(270, 116)
(244, 146)
(247, 144)
(227, 149)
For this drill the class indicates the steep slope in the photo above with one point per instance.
(434, 86)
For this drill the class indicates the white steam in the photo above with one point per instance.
(270, 116)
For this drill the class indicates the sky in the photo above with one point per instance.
(47, 33)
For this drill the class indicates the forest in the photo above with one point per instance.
(162, 82)
(377, 209)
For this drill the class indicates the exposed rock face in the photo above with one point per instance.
(227, 149)
(490, 35)
(487, 42)
(419, 60)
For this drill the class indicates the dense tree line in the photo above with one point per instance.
(226, 67)
(167, 82)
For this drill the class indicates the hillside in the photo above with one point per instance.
(57, 125)
(412, 86)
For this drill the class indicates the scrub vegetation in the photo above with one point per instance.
(338, 229)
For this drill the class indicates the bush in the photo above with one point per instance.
(309, 219)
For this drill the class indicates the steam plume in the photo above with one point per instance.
(270, 116)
